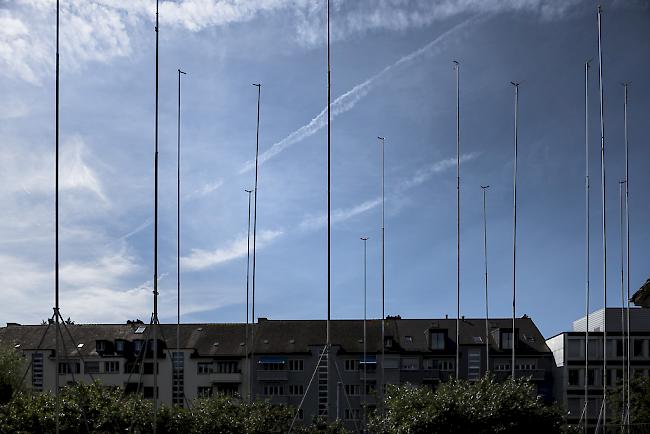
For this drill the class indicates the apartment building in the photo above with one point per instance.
(286, 361)
(569, 353)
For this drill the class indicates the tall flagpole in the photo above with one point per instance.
(365, 347)
(487, 311)
(329, 206)
(248, 266)
(257, 153)
(627, 245)
(457, 68)
(155, 250)
(383, 261)
(587, 248)
(56, 230)
(514, 232)
(604, 214)
(178, 229)
(621, 204)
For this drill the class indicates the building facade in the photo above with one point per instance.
(283, 360)
(569, 353)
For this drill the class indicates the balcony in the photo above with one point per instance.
(263, 375)
(534, 374)
(234, 377)
(370, 375)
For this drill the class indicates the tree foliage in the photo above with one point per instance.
(639, 401)
(12, 367)
(485, 406)
(99, 409)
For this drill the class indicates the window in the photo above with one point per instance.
(137, 345)
(296, 364)
(112, 367)
(273, 390)
(502, 366)
(353, 389)
(526, 366)
(227, 367)
(91, 367)
(273, 364)
(370, 388)
(506, 340)
(446, 365)
(148, 392)
(591, 377)
(392, 363)
(70, 367)
(428, 364)
(203, 368)
(204, 391)
(574, 377)
(575, 347)
(352, 414)
(619, 348)
(37, 371)
(474, 364)
(178, 378)
(100, 346)
(409, 339)
(388, 341)
(148, 368)
(351, 365)
(296, 389)
(638, 347)
(409, 364)
(437, 340)
(119, 346)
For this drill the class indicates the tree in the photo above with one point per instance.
(485, 406)
(12, 368)
(639, 401)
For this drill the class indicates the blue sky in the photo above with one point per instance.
(392, 75)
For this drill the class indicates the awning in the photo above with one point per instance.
(273, 360)
(370, 360)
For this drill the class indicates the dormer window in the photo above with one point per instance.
(100, 346)
(388, 342)
(137, 345)
(506, 340)
(437, 340)
(119, 346)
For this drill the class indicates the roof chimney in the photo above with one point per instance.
(12, 324)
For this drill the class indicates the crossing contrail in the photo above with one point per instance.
(350, 98)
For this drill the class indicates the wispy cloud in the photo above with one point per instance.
(424, 174)
(200, 259)
(338, 215)
(421, 176)
(349, 99)
(205, 189)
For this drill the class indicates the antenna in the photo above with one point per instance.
(457, 68)
(621, 201)
(514, 230)
(329, 203)
(487, 311)
(365, 348)
(257, 154)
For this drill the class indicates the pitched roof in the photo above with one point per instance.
(279, 336)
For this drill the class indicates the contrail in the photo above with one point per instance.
(349, 99)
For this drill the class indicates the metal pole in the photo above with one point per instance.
(178, 230)
(514, 232)
(622, 235)
(604, 214)
(248, 266)
(365, 348)
(329, 204)
(487, 311)
(457, 68)
(155, 249)
(383, 292)
(257, 153)
(627, 245)
(56, 231)
(587, 255)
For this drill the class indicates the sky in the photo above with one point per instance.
(392, 76)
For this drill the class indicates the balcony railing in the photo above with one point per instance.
(234, 377)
